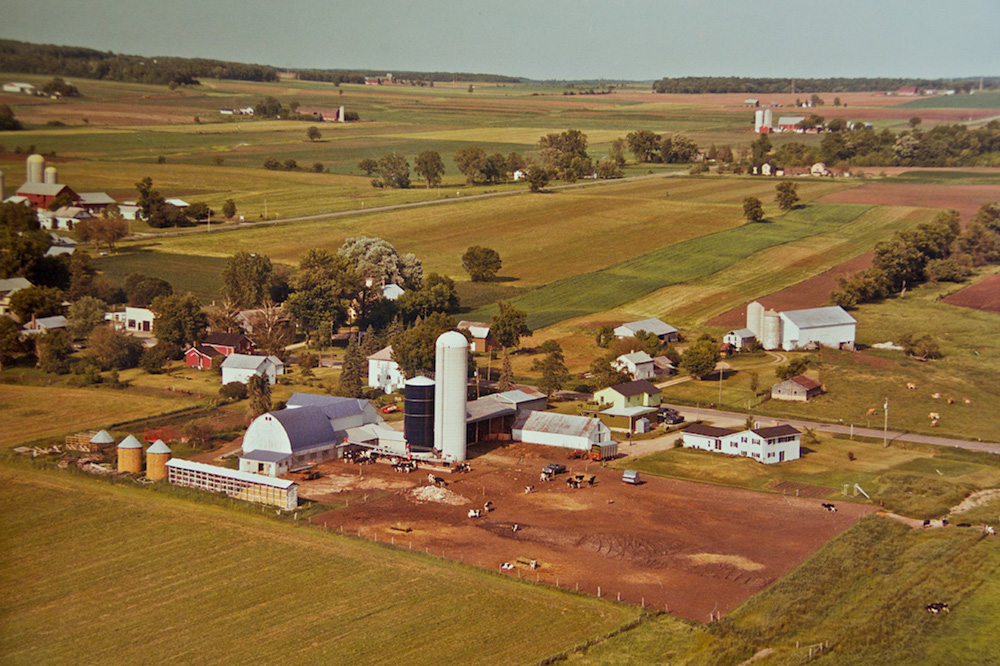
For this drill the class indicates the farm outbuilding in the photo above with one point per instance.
(157, 457)
(240, 485)
(8, 286)
(241, 367)
(664, 331)
(629, 419)
(480, 339)
(800, 388)
(201, 357)
(630, 394)
(42, 194)
(739, 338)
(829, 326)
(565, 430)
(228, 344)
(130, 455)
(637, 364)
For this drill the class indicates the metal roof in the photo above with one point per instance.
(636, 358)
(420, 380)
(488, 407)
(261, 455)
(384, 354)
(333, 406)
(95, 198)
(306, 427)
(10, 285)
(244, 362)
(180, 463)
(833, 315)
(102, 437)
(158, 447)
(629, 411)
(392, 291)
(652, 325)
(224, 339)
(518, 396)
(558, 424)
(476, 329)
(806, 382)
(709, 431)
(43, 189)
(742, 332)
(790, 120)
(129, 442)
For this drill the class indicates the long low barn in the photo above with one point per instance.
(241, 485)
(566, 430)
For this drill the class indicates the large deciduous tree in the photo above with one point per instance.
(700, 357)
(786, 195)
(246, 278)
(429, 166)
(377, 259)
(141, 290)
(324, 286)
(113, 349)
(508, 325)
(85, 314)
(368, 165)
(36, 301)
(537, 177)
(481, 263)
(559, 149)
(413, 349)
(553, 368)
(179, 319)
(644, 145)
(753, 210)
(471, 162)
(395, 171)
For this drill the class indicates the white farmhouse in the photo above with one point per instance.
(384, 373)
(241, 367)
(797, 329)
(739, 338)
(765, 445)
(638, 364)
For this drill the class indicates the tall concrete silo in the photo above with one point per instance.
(50, 175)
(758, 120)
(770, 335)
(418, 422)
(450, 394)
(35, 169)
(755, 319)
(130, 455)
(768, 118)
(157, 456)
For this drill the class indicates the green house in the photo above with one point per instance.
(631, 394)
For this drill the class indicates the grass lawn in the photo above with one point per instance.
(174, 580)
(34, 412)
(864, 594)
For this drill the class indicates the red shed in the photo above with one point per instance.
(200, 356)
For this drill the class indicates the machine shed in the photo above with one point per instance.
(565, 430)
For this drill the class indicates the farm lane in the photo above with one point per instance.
(233, 226)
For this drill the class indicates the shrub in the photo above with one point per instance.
(233, 391)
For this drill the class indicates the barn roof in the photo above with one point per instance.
(833, 315)
(224, 339)
(244, 362)
(652, 325)
(557, 424)
(334, 407)
(742, 332)
(476, 329)
(43, 189)
(806, 382)
(260, 455)
(10, 285)
(210, 352)
(95, 198)
(306, 427)
(489, 407)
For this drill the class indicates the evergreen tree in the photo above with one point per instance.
(352, 371)
(506, 380)
(259, 391)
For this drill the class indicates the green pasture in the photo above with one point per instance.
(120, 574)
(916, 480)
(611, 287)
(34, 412)
(980, 100)
(947, 177)
(864, 594)
(199, 275)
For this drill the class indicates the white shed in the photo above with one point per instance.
(565, 430)
(241, 367)
(660, 329)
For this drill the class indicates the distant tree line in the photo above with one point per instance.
(87, 63)
(764, 86)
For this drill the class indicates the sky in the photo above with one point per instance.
(540, 39)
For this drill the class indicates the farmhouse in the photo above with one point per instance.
(241, 367)
(479, 335)
(638, 364)
(631, 394)
(739, 338)
(239, 484)
(228, 344)
(819, 170)
(391, 292)
(21, 88)
(8, 286)
(800, 388)
(94, 202)
(139, 319)
(765, 445)
(44, 325)
(384, 373)
(565, 430)
(660, 329)
(796, 329)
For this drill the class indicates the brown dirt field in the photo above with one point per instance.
(811, 293)
(984, 295)
(674, 544)
(966, 199)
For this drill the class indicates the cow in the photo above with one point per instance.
(937, 607)
(966, 401)
(591, 481)
(927, 523)
(546, 477)
(829, 507)
(515, 527)
(573, 482)
(934, 423)
(989, 530)
(934, 416)
(488, 506)
(951, 401)
(475, 513)
(936, 396)
(436, 481)
(871, 412)
(528, 489)
(507, 566)
(911, 386)
(463, 467)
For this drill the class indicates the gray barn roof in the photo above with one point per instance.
(651, 325)
(306, 427)
(833, 315)
(334, 407)
(558, 424)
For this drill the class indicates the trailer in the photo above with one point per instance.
(631, 477)
(608, 451)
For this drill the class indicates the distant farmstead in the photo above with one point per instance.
(802, 329)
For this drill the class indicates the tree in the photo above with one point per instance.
(914, 121)
(537, 177)
(313, 133)
(471, 162)
(559, 150)
(149, 199)
(141, 290)
(269, 107)
(8, 123)
(785, 195)
(700, 358)
(324, 285)
(508, 325)
(53, 349)
(759, 150)
(272, 331)
(107, 229)
(605, 334)
(437, 295)
(113, 349)
(61, 200)
(36, 301)
(553, 369)
(616, 152)
(608, 169)
(353, 370)
(481, 263)
(605, 374)
(86, 314)
(376, 258)
(429, 166)
(179, 319)
(413, 349)
(272, 163)
(793, 368)
(199, 211)
(680, 149)
(395, 171)
(153, 360)
(11, 344)
(259, 392)
(368, 165)
(506, 380)
(753, 210)
(245, 279)
(229, 209)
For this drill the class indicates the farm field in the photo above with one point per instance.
(33, 412)
(832, 599)
(966, 199)
(176, 574)
(982, 295)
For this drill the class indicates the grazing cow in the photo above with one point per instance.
(935, 395)
(951, 401)
(592, 480)
(507, 566)
(573, 482)
(927, 523)
(934, 423)
(546, 477)
(475, 513)
(463, 467)
(488, 506)
(937, 607)
(934, 416)
(966, 401)
(515, 527)
(871, 412)
(528, 489)
(436, 481)
(989, 530)
(944, 521)
(828, 506)
(533, 564)
(911, 386)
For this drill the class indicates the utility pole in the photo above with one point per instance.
(885, 431)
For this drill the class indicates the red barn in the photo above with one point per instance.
(42, 194)
(229, 343)
(200, 356)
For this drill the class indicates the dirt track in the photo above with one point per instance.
(692, 548)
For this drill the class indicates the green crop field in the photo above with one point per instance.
(147, 577)
(33, 412)
(864, 594)
(202, 276)
(980, 100)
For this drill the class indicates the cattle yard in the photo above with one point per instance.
(666, 544)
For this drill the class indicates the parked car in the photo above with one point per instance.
(669, 416)
(389, 409)
(553, 469)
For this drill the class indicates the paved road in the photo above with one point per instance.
(232, 226)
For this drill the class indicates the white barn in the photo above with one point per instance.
(241, 367)
(660, 329)
(765, 445)
(565, 430)
(796, 329)
(384, 373)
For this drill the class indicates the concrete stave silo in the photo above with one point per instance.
(50, 175)
(157, 457)
(35, 169)
(418, 422)
(130, 455)
(450, 395)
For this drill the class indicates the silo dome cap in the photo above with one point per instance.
(452, 339)
(158, 447)
(129, 442)
(102, 437)
(420, 380)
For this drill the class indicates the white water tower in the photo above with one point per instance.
(450, 393)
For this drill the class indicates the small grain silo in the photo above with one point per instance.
(157, 456)
(50, 175)
(450, 394)
(130, 455)
(35, 169)
(418, 422)
(101, 441)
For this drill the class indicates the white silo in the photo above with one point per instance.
(758, 120)
(768, 118)
(771, 330)
(451, 369)
(755, 319)
(36, 167)
(50, 176)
